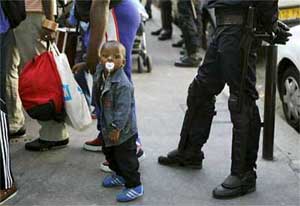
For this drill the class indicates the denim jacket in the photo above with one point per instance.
(116, 100)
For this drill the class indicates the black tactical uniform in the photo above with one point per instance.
(190, 23)
(222, 66)
(165, 32)
(148, 8)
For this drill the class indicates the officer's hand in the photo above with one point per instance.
(281, 32)
(114, 135)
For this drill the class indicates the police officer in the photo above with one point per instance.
(222, 66)
(191, 26)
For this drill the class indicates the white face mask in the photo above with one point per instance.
(109, 66)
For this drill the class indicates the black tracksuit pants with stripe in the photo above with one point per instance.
(6, 179)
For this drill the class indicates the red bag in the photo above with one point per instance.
(40, 89)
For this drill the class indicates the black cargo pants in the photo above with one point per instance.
(222, 66)
(190, 26)
(166, 14)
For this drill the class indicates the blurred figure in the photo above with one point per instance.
(148, 8)
(9, 19)
(165, 32)
(31, 38)
(190, 21)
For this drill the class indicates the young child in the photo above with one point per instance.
(115, 98)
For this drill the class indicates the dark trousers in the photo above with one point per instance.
(222, 65)
(124, 162)
(6, 179)
(148, 8)
(190, 25)
(166, 14)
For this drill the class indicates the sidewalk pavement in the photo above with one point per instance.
(71, 176)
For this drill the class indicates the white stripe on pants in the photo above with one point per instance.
(4, 149)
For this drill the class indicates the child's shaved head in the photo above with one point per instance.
(114, 45)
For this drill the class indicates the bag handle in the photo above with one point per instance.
(54, 49)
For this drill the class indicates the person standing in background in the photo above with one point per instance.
(11, 14)
(165, 32)
(30, 41)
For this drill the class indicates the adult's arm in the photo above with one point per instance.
(49, 8)
(49, 11)
(98, 22)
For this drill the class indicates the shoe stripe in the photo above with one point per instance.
(133, 192)
(118, 181)
(114, 182)
(130, 195)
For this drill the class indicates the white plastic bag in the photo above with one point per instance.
(79, 116)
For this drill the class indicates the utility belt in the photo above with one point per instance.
(230, 16)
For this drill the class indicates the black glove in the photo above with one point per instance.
(281, 31)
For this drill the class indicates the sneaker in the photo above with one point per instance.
(129, 194)
(43, 145)
(94, 145)
(18, 134)
(105, 166)
(113, 181)
(7, 194)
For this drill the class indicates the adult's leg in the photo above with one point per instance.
(166, 9)
(189, 26)
(241, 105)
(166, 18)
(128, 23)
(148, 8)
(28, 35)
(14, 105)
(200, 111)
(244, 116)
(6, 178)
(191, 34)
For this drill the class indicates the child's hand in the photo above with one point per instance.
(114, 135)
(79, 66)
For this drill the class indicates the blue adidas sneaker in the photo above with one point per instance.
(113, 181)
(129, 194)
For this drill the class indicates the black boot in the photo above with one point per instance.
(188, 61)
(175, 158)
(234, 186)
(183, 52)
(165, 35)
(157, 32)
(178, 44)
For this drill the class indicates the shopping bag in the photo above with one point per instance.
(40, 89)
(78, 112)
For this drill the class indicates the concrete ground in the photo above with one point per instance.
(71, 176)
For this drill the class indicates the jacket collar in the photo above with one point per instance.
(117, 75)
